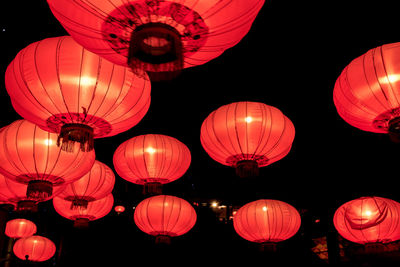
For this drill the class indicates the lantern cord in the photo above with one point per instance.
(39, 190)
(247, 168)
(76, 132)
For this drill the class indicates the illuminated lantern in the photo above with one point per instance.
(367, 91)
(83, 215)
(30, 155)
(369, 220)
(246, 136)
(18, 228)
(151, 160)
(96, 184)
(157, 35)
(267, 222)
(34, 248)
(119, 209)
(164, 217)
(15, 193)
(65, 89)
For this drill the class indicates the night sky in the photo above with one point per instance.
(290, 59)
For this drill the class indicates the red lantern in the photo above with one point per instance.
(155, 35)
(65, 89)
(369, 220)
(164, 217)
(119, 209)
(267, 221)
(15, 193)
(18, 228)
(96, 184)
(34, 248)
(82, 215)
(31, 156)
(367, 91)
(247, 135)
(151, 160)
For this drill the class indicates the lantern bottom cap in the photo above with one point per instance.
(394, 130)
(71, 133)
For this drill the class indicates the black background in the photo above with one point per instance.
(290, 59)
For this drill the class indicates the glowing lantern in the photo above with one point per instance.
(31, 156)
(119, 209)
(369, 220)
(96, 184)
(34, 248)
(18, 228)
(65, 89)
(164, 217)
(83, 215)
(367, 91)
(247, 135)
(157, 35)
(15, 193)
(151, 160)
(267, 222)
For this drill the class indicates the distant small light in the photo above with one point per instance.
(119, 209)
(3, 30)
(317, 220)
(214, 204)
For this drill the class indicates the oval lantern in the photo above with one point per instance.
(119, 209)
(157, 36)
(267, 222)
(367, 91)
(60, 86)
(369, 220)
(246, 136)
(96, 184)
(83, 215)
(18, 228)
(34, 248)
(164, 216)
(31, 156)
(151, 160)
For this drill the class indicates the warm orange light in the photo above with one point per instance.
(119, 209)
(18, 228)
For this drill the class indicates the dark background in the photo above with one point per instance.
(290, 59)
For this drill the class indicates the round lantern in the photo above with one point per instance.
(34, 248)
(369, 220)
(96, 184)
(31, 156)
(65, 89)
(246, 136)
(16, 193)
(164, 216)
(151, 160)
(367, 91)
(119, 209)
(19, 228)
(266, 221)
(82, 215)
(157, 36)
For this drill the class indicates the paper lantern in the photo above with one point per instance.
(96, 184)
(30, 155)
(267, 221)
(369, 220)
(82, 215)
(367, 91)
(60, 86)
(18, 228)
(157, 35)
(246, 136)
(151, 160)
(34, 248)
(119, 209)
(164, 216)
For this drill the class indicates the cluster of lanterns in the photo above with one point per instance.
(95, 83)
